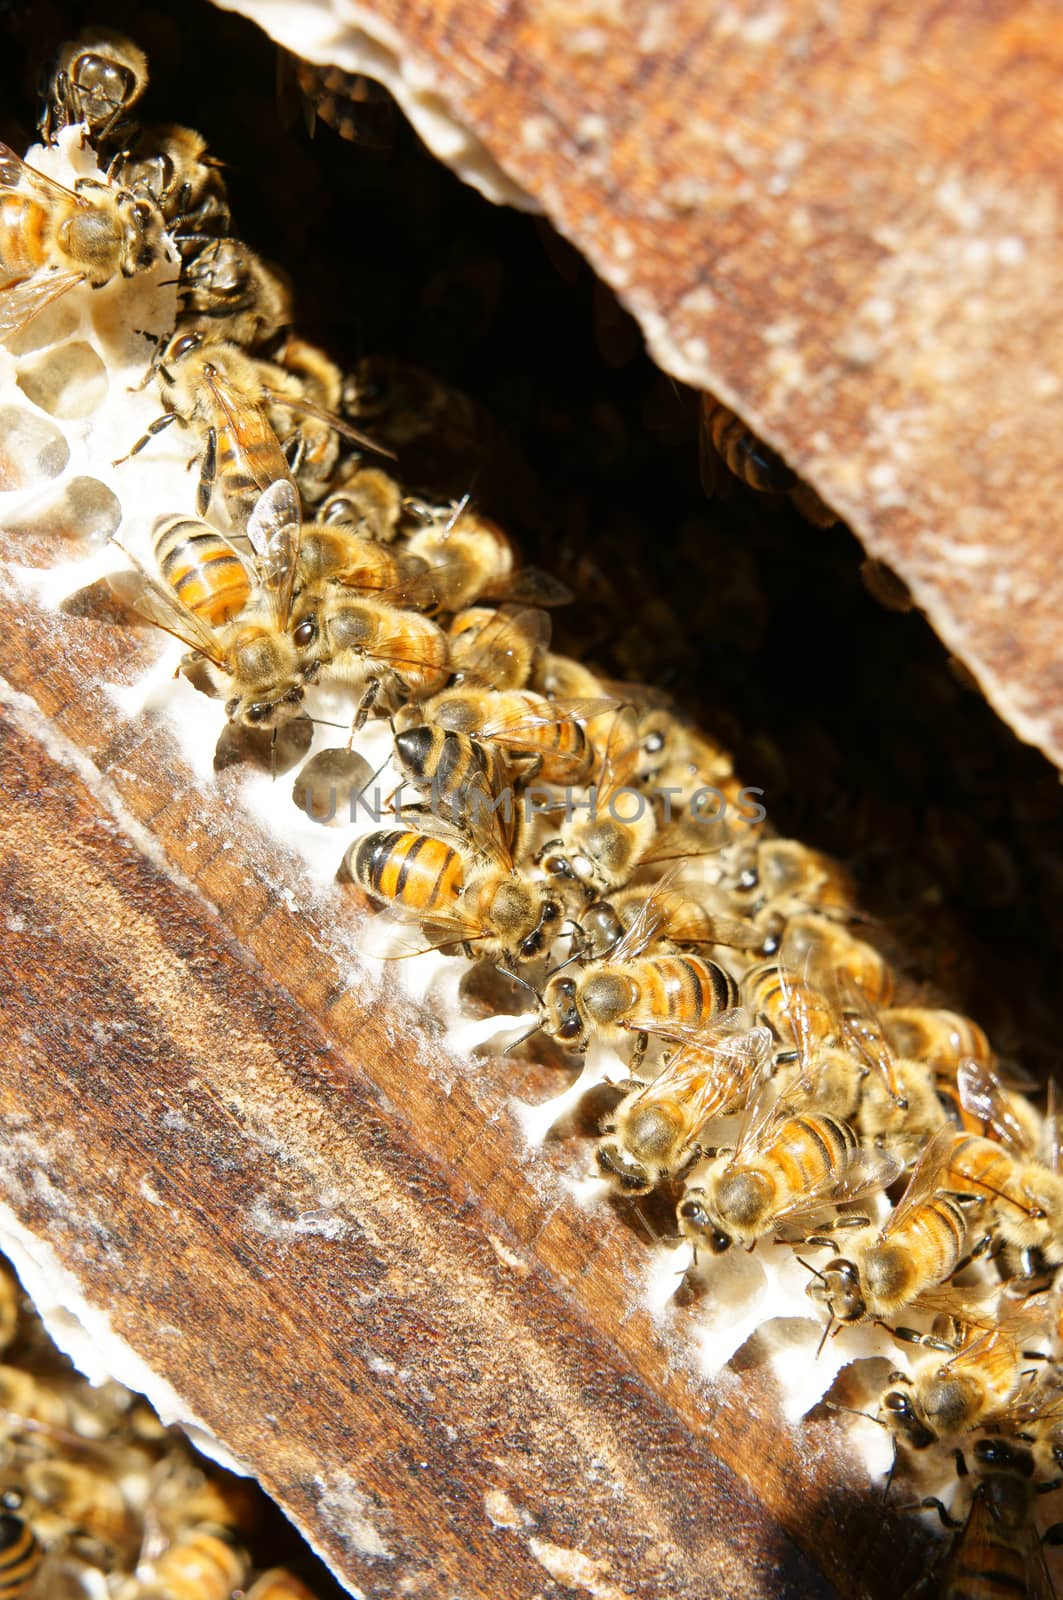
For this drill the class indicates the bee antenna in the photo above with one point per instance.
(826, 1333)
(832, 1405)
(814, 1270)
(508, 972)
(575, 956)
(456, 515)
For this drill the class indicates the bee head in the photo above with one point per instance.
(622, 1168)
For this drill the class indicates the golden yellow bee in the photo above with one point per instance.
(941, 1038)
(726, 440)
(548, 737)
(255, 658)
(202, 1563)
(675, 996)
(202, 568)
(782, 878)
(997, 1550)
(392, 655)
(20, 1556)
(652, 1134)
(366, 500)
(279, 1584)
(227, 292)
(170, 165)
(789, 1164)
(918, 1247)
(53, 238)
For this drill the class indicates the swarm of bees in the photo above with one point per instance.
(99, 1498)
(776, 1082)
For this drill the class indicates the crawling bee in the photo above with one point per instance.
(789, 1163)
(724, 440)
(20, 1557)
(97, 80)
(169, 165)
(227, 292)
(201, 1563)
(652, 1134)
(52, 238)
(279, 1584)
(997, 1550)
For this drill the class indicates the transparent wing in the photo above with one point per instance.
(509, 631)
(1051, 1141)
(307, 408)
(682, 841)
(140, 592)
(536, 714)
(982, 1097)
(649, 922)
(864, 1034)
(21, 302)
(620, 753)
(532, 586)
(255, 445)
(274, 529)
(18, 174)
(863, 1173)
(926, 1179)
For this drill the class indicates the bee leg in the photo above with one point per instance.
(295, 451)
(208, 472)
(932, 1503)
(145, 439)
(980, 1249)
(366, 704)
(641, 1044)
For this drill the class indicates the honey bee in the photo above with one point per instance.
(277, 1584)
(918, 1248)
(472, 896)
(227, 292)
(466, 779)
(497, 649)
(997, 1550)
(71, 1502)
(393, 655)
(785, 878)
(202, 568)
(679, 761)
(367, 501)
(790, 1163)
(20, 1556)
(314, 383)
(725, 440)
(332, 553)
(797, 1011)
(652, 1134)
(53, 238)
(602, 849)
(10, 1306)
(97, 80)
(1023, 1197)
(202, 1563)
(255, 657)
(684, 919)
(549, 736)
(354, 106)
(169, 164)
(987, 1378)
(941, 1038)
(219, 390)
(677, 996)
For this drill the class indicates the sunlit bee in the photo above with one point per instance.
(790, 1163)
(255, 659)
(941, 1038)
(1023, 1198)
(202, 1563)
(560, 678)
(52, 238)
(463, 778)
(551, 735)
(987, 1378)
(332, 553)
(918, 1247)
(279, 1584)
(307, 386)
(675, 996)
(786, 878)
(831, 947)
(673, 753)
(170, 165)
(366, 500)
(797, 1012)
(391, 655)
(847, 1087)
(497, 649)
(997, 1553)
(220, 392)
(228, 292)
(20, 1557)
(726, 441)
(98, 78)
(473, 556)
(472, 897)
(201, 567)
(652, 1134)
(685, 918)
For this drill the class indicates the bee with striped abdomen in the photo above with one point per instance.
(97, 80)
(20, 1556)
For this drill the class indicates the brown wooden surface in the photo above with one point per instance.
(845, 221)
(325, 1232)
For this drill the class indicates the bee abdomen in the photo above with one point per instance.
(202, 568)
(20, 1556)
(745, 455)
(411, 869)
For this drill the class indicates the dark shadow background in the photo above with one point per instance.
(865, 739)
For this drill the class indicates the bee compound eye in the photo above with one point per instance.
(306, 632)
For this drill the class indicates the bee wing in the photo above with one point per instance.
(532, 586)
(680, 841)
(507, 726)
(21, 302)
(141, 593)
(926, 1178)
(620, 754)
(274, 529)
(1050, 1129)
(254, 443)
(648, 922)
(864, 1033)
(18, 174)
(307, 408)
(798, 975)
(982, 1096)
(864, 1172)
(509, 629)
(714, 1073)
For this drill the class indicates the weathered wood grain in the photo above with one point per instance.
(843, 220)
(325, 1232)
